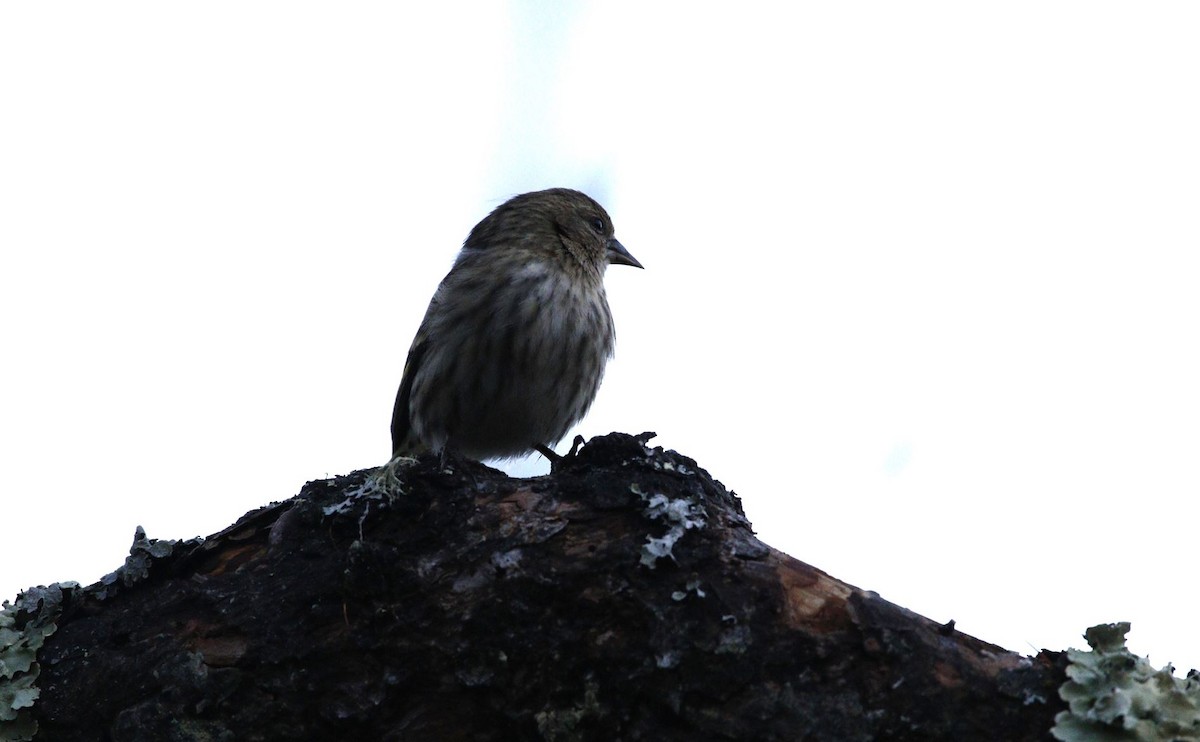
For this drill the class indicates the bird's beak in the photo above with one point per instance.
(618, 255)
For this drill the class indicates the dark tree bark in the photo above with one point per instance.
(623, 597)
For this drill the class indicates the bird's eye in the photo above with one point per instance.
(598, 224)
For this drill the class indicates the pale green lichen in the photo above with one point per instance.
(384, 485)
(24, 626)
(32, 617)
(693, 586)
(1112, 694)
(681, 515)
(142, 555)
(569, 724)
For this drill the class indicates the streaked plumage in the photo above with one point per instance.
(514, 343)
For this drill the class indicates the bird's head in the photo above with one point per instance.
(558, 224)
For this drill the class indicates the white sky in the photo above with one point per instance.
(921, 278)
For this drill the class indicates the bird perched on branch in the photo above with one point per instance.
(513, 346)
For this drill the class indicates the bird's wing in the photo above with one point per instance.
(404, 440)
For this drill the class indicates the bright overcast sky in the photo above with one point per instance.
(921, 278)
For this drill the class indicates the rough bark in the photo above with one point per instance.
(622, 597)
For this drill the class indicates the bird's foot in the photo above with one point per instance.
(558, 462)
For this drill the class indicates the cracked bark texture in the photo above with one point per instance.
(473, 606)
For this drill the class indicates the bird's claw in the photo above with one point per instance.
(575, 444)
(557, 462)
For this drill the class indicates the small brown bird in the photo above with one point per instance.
(513, 346)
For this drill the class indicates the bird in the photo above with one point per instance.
(512, 348)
